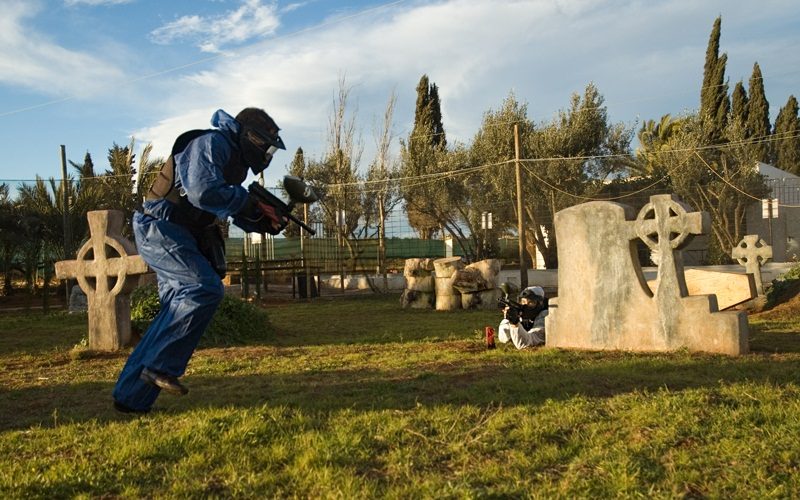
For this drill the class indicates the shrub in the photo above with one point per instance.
(144, 307)
(235, 322)
(784, 287)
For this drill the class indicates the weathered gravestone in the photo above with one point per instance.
(77, 300)
(448, 298)
(104, 269)
(452, 285)
(603, 299)
(753, 252)
(419, 288)
(477, 284)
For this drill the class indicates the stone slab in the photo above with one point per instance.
(731, 289)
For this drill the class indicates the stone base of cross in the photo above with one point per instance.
(106, 269)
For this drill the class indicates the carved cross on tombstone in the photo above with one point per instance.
(103, 269)
(753, 252)
(665, 225)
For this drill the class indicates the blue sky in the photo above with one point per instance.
(91, 73)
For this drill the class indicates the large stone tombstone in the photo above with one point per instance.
(603, 300)
(104, 269)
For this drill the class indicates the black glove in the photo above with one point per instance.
(257, 217)
(512, 315)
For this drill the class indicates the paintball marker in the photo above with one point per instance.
(514, 312)
(299, 192)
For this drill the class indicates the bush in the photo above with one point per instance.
(784, 287)
(144, 307)
(235, 322)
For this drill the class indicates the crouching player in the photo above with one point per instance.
(523, 322)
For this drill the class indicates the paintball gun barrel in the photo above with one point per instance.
(299, 192)
(504, 301)
(514, 313)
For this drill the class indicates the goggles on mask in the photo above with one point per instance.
(267, 144)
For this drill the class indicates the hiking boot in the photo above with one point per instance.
(162, 380)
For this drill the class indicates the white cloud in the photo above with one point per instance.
(71, 3)
(33, 61)
(251, 20)
(293, 6)
(646, 58)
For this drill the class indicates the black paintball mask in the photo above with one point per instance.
(536, 302)
(259, 146)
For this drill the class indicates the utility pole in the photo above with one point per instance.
(304, 249)
(342, 243)
(523, 268)
(65, 212)
(382, 243)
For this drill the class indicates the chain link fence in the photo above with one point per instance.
(331, 263)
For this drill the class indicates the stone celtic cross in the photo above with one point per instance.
(753, 252)
(103, 268)
(666, 225)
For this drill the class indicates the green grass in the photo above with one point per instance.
(359, 398)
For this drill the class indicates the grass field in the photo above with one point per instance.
(359, 398)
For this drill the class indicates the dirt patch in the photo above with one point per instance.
(784, 302)
(789, 310)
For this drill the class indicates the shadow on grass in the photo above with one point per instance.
(508, 379)
(772, 342)
(36, 333)
(774, 337)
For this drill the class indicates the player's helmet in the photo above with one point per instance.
(532, 293)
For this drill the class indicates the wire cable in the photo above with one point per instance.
(723, 179)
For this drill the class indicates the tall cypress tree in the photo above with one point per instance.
(758, 125)
(786, 146)
(739, 104)
(714, 102)
(426, 140)
(421, 131)
(297, 168)
(438, 139)
(428, 128)
(298, 165)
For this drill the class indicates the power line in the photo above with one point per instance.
(723, 179)
(588, 198)
(436, 176)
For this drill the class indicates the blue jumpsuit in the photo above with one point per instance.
(188, 287)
